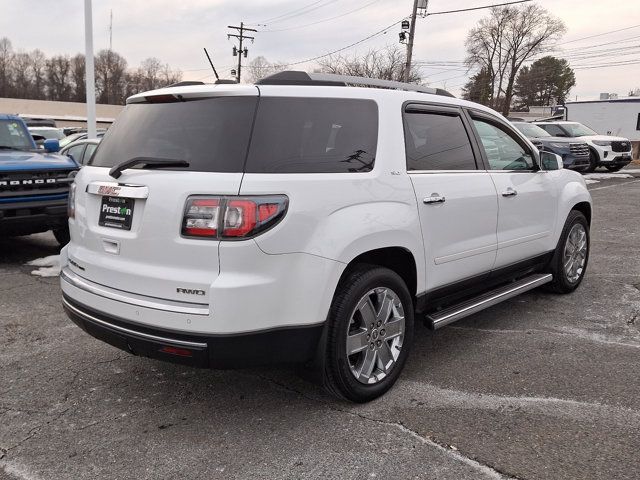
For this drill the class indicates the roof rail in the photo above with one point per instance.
(292, 77)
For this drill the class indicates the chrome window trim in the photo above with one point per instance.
(446, 171)
(131, 298)
(133, 333)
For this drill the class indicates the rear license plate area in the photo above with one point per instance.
(116, 212)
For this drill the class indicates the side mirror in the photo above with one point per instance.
(51, 145)
(551, 161)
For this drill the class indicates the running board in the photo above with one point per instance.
(456, 312)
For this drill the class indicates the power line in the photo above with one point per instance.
(478, 8)
(286, 14)
(379, 32)
(324, 20)
(599, 34)
(307, 10)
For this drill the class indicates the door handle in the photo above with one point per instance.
(434, 198)
(509, 192)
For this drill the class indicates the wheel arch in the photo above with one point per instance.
(585, 209)
(398, 259)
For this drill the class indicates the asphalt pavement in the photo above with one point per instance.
(540, 387)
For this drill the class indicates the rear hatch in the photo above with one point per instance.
(127, 231)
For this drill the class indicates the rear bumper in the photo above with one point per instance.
(283, 345)
(26, 217)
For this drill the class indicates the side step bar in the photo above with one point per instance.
(469, 307)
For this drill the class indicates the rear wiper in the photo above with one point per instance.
(116, 171)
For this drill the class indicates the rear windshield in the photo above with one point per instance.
(211, 134)
(290, 135)
(314, 135)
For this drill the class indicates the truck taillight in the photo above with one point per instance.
(71, 201)
(201, 217)
(232, 217)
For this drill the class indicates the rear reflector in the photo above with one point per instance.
(232, 217)
(181, 352)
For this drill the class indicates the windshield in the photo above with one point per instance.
(71, 138)
(578, 130)
(211, 134)
(531, 131)
(48, 133)
(13, 135)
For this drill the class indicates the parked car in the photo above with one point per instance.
(575, 154)
(304, 220)
(81, 150)
(34, 184)
(74, 137)
(39, 122)
(40, 134)
(613, 153)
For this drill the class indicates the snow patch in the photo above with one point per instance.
(47, 266)
(606, 176)
(588, 182)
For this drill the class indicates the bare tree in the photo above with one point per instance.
(260, 67)
(38, 68)
(504, 41)
(387, 64)
(6, 67)
(110, 69)
(58, 76)
(22, 75)
(78, 71)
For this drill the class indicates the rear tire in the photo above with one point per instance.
(372, 317)
(570, 259)
(62, 235)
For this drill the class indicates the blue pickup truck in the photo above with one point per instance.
(34, 183)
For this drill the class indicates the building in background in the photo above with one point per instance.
(65, 114)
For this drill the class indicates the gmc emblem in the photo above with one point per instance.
(190, 291)
(108, 190)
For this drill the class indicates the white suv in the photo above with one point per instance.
(607, 151)
(308, 220)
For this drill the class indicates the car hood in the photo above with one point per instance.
(556, 140)
(605, 138)
(16, 160)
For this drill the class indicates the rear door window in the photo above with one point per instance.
(437, 141)
(212, 134)
(314, 135)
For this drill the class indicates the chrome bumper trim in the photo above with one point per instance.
(131, 298)
(132, 333)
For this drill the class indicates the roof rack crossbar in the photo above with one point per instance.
(292, 77)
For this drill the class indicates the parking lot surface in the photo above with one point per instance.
(542, 386)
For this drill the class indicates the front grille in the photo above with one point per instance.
(20, 184)
(619, 146)
(579, 149)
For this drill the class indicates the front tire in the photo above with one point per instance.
(370, 330)
(62, 235)
(593, 161)
(571, 257)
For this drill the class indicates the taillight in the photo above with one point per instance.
(232, 217)
(71, 201)
(201, 217)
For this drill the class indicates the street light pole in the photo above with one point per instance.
(90, 81)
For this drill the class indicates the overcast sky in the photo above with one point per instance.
(176, 31)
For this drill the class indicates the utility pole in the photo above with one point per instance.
(89, 72)
(412, 29)
(239, 51)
